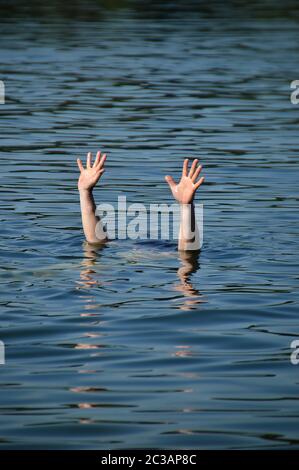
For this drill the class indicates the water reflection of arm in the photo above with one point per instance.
(184, 193)
(89, 176)
(88, 276)
(189, 265)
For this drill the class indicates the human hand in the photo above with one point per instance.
(184, 191)
(90, 175)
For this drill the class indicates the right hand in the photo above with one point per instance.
(90, 175)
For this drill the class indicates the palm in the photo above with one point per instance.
(88, 179)
(184, 191)
(90, 175)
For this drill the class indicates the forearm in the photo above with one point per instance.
(92, 226)
(189, 238)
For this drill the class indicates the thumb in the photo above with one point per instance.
(170, 181)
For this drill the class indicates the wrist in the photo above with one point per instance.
(186, 204)
(85, 191)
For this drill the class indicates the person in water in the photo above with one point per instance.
(183, 192)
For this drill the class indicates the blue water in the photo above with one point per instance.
(134, 345)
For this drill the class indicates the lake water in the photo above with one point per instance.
(131, 345)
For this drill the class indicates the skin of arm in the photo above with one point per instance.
(184, 193)
(89, 176)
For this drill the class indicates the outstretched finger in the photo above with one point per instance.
(102, 161)
(196, 173)
(170, 181)
(99, 172)
(185, 167)
(199, 182)
(80, 164)
(88, 160)
(192, 169)
(97, 159)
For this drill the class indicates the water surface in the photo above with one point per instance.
(132, 345)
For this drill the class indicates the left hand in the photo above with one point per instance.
(184, 191)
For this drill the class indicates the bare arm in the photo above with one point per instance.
(184, 193)
(89, 176)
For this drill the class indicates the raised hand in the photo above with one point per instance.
(90, 175)
(184, 191)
